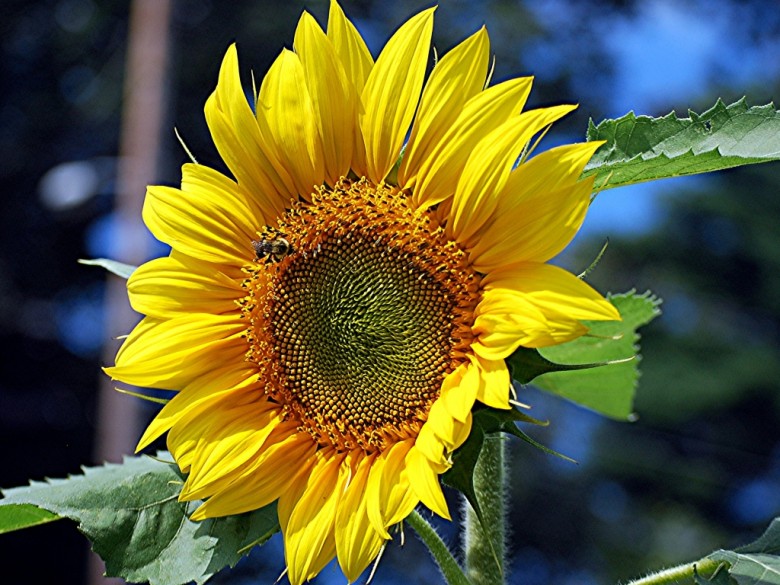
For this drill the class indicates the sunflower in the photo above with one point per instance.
(331, 313)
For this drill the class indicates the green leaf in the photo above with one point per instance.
(750, 569)
(641, 148)
(119, 268)
(757, 562)
(131, 514)
(769, 542)
(610, 389)
(18, 516)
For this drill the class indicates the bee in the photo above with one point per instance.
(272, 249)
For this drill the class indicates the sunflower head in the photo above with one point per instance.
(359, 323)
(329, 316)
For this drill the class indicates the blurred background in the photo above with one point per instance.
(698, 470)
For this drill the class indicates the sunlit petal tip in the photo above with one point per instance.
(334, 97)
(447, 431)
(440, 171)
(308, 515)
(357, 542)
(597, 144)
(389, 495)
(251, 158)
(150, 435)
(349, 46)
(288, 108)
(374, 496)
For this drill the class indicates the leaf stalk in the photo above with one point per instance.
(680, 574)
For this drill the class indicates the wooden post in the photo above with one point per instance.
(118, 425)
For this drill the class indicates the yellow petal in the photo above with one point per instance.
(539, 211)
(334, 97)
(553, 291)
(495, 383)
(425, 482)
(286, 104)
(175, 285)
(192, 426)
(488, 167)
(392, 91)
(438, 173)
(449, 432)
(429, 445)
(460, 390)
(259, 487)
(242, 207)
(357, 62)
(241, 144)
(374, 492)
(171, 354)
(455, 79)
(202, 395)
(309, 531)
(206, 219)
(506, 320)
(388, 493)
(357, 542)
(349, 46)
(235, 437)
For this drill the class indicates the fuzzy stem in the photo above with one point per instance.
(678, 574)
(453, 574)
(485, 550)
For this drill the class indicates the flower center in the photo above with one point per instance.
(356, 325)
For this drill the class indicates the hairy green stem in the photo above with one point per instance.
(452, 572)
(679, 574)
(485, 542)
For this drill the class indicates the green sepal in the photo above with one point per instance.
(142, 396)
(119, 268)
(131, 514)
(526, 364)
